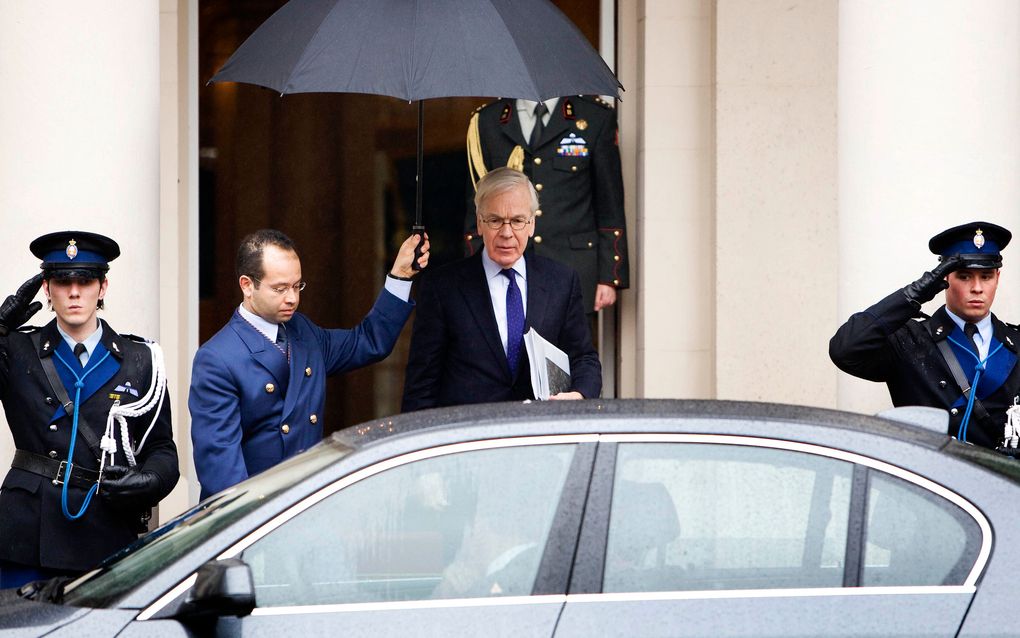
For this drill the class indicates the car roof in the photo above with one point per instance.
(619, 415)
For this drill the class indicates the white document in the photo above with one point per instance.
(550, 366)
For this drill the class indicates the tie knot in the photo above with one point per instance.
(970, 330)
(541, 109)
(281, 334)
(79, 349)
(508, 273)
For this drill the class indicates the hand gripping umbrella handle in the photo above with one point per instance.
(417, 229)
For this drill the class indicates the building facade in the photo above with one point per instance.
(784, 165)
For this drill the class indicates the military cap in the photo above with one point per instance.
(977, 243)
(73, 253)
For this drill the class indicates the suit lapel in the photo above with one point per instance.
(512, 127)
(298, 363)
(537, 289)
(555, 128)
(475, 290)
(262, 351)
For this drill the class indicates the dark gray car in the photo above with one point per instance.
(607, 518)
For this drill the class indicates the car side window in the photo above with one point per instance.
(470, 524)
(914, 537)
(691, 516)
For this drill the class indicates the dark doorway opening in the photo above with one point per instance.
(336, 173)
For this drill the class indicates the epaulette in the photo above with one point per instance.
(598, 100)
(136, 338)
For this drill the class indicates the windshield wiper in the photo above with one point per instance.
(50, 591)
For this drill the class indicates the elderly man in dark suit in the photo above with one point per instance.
(258, 386)
(467, 341)
(569, 148)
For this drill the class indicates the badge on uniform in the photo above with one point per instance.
(572, 146)
(979, 239)
(126, 388)
(72, 249)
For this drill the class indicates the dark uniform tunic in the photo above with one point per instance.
(884, 343)
(576, 170)
(33, 529)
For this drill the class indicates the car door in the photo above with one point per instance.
(463, 539)
(697, 535)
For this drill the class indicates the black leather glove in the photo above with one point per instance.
(933, 282)
(127, 487)
(19, 307)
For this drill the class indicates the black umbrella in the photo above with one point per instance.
(418, 49)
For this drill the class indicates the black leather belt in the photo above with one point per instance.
(53, 469)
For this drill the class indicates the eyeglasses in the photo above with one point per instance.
(495, 223)
(282, 290)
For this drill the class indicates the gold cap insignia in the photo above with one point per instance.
(979, 239)
(72, 250)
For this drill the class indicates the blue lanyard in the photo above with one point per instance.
(78, 385)
(978, 369)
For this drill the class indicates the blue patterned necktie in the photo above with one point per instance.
(514, 321)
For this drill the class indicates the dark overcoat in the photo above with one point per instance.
(251, 408)
(33, 529)
(456, 355)
(885, 343)
(576, 169)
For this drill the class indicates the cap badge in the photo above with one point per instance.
(979, 239)
(72, 249)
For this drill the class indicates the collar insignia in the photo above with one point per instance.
(938, 330)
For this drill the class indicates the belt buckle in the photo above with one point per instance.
(57, 480)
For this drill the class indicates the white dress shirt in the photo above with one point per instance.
(498, 285)
(526, 114)
(90, 342)
(983, 338)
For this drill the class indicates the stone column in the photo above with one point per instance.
(667, 145)
(929, 137)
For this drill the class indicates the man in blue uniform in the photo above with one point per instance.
(258, 387)
(936, 361)
(569, 148)
(59, 384)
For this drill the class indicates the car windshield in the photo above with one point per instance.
(128, 568)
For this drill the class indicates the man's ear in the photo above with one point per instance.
(246, 284)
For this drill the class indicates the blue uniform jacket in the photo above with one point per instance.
(249, 411)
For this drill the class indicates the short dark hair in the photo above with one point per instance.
(249, 253)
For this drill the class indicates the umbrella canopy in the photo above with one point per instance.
(419, 49)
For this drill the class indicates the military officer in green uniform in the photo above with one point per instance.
(937, 360)
(569, 148)
(89, 414)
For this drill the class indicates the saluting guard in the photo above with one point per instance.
(569, 147)
(90, 417)
(962, 358)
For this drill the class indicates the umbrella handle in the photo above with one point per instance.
(417, 229)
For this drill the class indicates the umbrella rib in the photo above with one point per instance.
(301, 59)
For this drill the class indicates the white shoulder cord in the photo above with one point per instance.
(153, 398)
(1012, 431)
